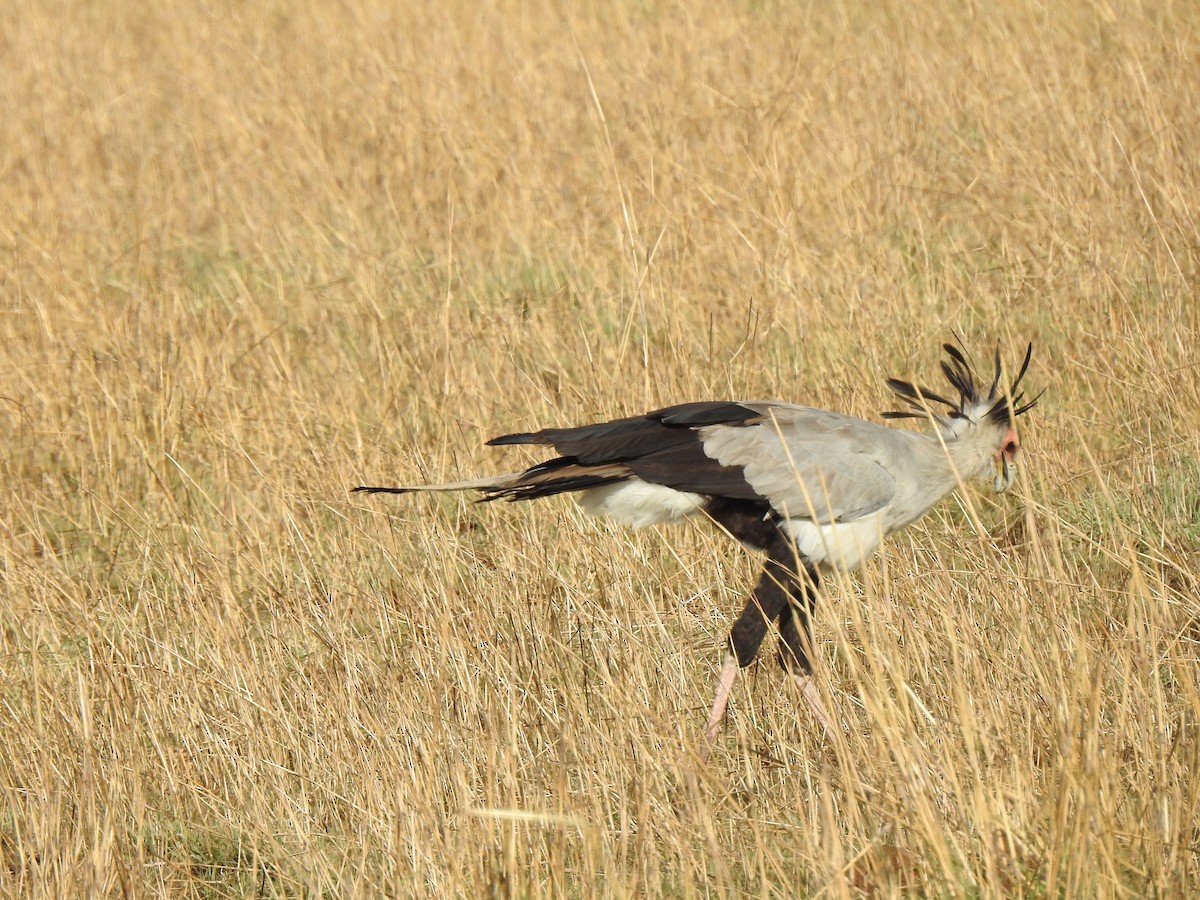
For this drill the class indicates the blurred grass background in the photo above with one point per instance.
(253, 255)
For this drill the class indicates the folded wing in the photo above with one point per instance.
(804, 463)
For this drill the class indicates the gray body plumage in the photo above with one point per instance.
(838, 484)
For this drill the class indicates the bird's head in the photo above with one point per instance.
(986, 420)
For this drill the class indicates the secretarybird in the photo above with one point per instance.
(816, 490)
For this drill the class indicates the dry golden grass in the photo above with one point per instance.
(256, 254)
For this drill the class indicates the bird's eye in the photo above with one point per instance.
(1011, 447)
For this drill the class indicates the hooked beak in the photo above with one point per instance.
(1006, 471)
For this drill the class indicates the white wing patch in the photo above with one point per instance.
(638, 503)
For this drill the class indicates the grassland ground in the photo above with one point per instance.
(253, 255)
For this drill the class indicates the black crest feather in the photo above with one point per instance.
(997, 405)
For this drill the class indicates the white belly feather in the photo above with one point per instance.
(639, 503)
(841, 545)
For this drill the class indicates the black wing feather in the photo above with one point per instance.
(660, 447)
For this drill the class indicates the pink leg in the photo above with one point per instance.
(729, 670)
(813, 697)
(724, 685)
